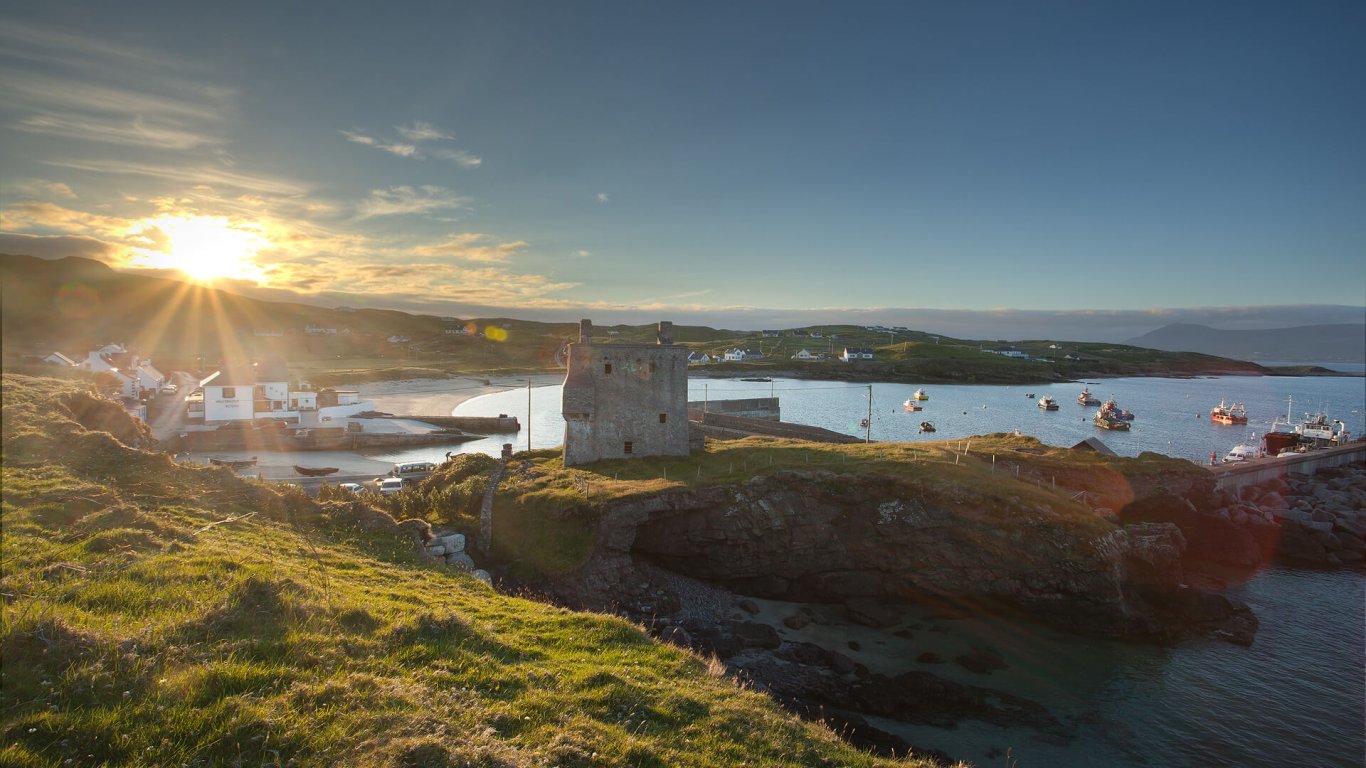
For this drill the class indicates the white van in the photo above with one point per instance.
(413, 470)
(390, 485)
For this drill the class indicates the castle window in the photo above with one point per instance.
(663, 418)
(606, 367)
(229, 393)
(627, 447)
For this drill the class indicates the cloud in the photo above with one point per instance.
(414, 134)
(402, 150)
(135, 132)
(458, 156)
(50, 216)
(58, 246)
(582, 254)
(38, 188)
(90, 90)
(406, 200)
(187, 174)
(602, 197)
(420, 131)
(469, 247)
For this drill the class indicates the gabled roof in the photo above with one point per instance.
(63, 358)
(1094, 444)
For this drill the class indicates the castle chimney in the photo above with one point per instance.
(585, 331)
(665, 333)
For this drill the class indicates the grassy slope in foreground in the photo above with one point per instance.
(159, 614)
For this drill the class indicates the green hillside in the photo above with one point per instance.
(163, 614)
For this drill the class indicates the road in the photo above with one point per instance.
(170, 409)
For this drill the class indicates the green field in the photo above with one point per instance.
(165, 614)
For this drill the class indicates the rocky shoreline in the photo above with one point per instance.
(682, 562)
(1314, 521)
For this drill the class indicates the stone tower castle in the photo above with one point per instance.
(623, 400)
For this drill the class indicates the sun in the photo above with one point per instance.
(205, 248)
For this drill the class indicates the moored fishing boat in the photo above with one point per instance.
(1109, 421)
(910, 405)
(926, 426)
(1087, 399)
(1228, 414)
(1048, 404)
(920, 395)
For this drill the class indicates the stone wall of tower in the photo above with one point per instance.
(624, 400)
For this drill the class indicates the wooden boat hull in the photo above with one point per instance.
(234, 463)
(315, 471)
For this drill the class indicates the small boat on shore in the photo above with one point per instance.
(234, 463)
(1228, 414)
(315, 471)
(1048, 404)
(920, 395)
(926, 426)
(911, 405)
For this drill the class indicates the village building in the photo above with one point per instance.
(57, 358)
(263, 392)
(698, 358)
(622, 399)
(806, 354)
(856, 353)
(135, 375)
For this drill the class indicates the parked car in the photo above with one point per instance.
(352, 487)
(390, 485)
(169, 389)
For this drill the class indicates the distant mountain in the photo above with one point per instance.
(1305, 343)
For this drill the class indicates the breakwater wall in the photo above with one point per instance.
(1232, 477)
(479, 425)
(750, 408)
(316, 440)
(726, 427)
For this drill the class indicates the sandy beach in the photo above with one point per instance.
(439, 397)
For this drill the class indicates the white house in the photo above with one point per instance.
(149, 378)
(698, 358)
(396, 339)
(1015, 353)
(57, 358)
(262, 392)
(229, 396)
(457, 331)
(733, 355)
(806, 354)
(856, 353)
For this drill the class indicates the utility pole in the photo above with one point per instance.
(868, 422)
(706, 395)
(528, 414)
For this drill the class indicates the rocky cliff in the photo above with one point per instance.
(822, 537)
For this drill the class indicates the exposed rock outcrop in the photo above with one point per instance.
(819, 537)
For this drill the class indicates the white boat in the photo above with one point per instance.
(1047, 403)
(920, 395)
(1244, 452)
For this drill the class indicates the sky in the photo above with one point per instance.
(1072, 163)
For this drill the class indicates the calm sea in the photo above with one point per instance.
(1294, 698)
